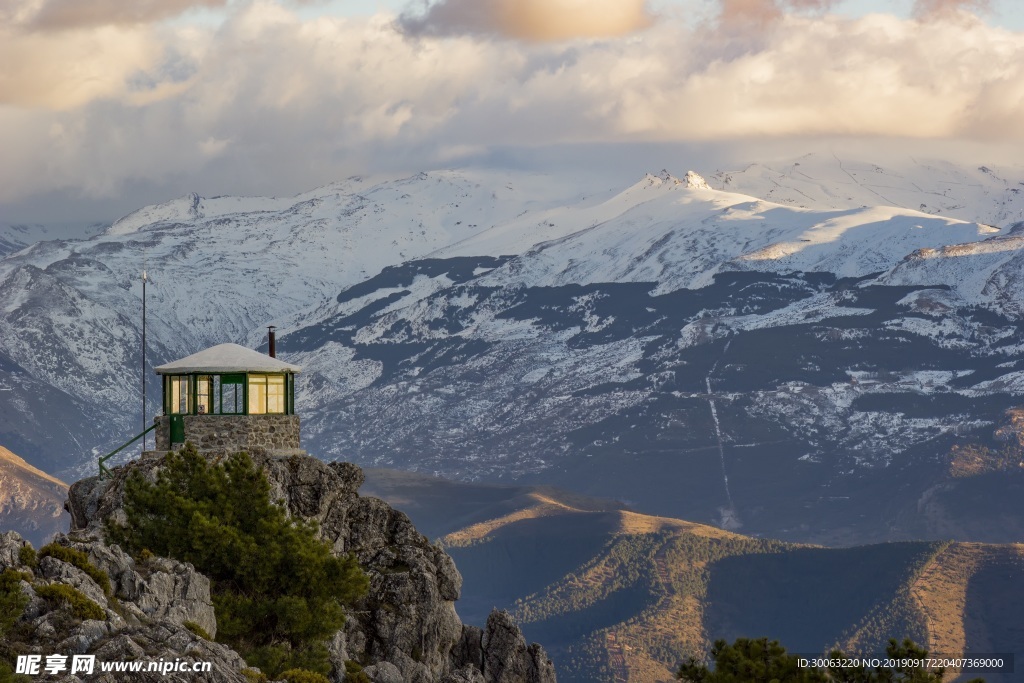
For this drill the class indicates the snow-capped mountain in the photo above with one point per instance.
(218, 269)
(989, 194)
(15, 237)
(682, 234)
(701, 353)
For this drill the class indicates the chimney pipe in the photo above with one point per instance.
(272, 351)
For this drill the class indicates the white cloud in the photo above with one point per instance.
(67, 14)
(270, 103)
(213, 147)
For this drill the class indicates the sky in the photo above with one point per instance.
(107, 106)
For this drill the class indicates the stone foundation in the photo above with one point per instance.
(233, 433)
(162, 434)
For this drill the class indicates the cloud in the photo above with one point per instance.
(63, 54)
(66, 14)
(943, 9)
(18, 12)
(532, 20)
(754, 13)
(62, 71)
(270, 103)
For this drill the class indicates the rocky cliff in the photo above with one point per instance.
(405, 630)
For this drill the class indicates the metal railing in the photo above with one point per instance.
(108, 456)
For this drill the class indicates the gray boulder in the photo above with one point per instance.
(143, 617)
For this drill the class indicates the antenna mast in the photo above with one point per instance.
(144, 278)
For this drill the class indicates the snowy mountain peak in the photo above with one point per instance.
(656, 180)
(691, 180)
(185, 208)
(695, 181)
(667, 177)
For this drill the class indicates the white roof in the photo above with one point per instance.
(226, 358)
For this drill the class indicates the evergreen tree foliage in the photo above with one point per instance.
(28, 557)
(763, 661)
(749, 661)
(302, 676)
(278, 591)
(12, 600)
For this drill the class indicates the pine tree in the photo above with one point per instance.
(278, 591)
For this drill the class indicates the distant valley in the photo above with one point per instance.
(621, 596)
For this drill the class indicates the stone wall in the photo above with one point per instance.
(234, 432)
(163, 433)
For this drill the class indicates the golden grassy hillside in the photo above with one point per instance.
(31, 501)
(620, 596)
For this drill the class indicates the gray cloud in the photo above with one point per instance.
(935, 9)
(269, 103)
(532, 20)
(63, 70)
(66, 14)
(761, 12)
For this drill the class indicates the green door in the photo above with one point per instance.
(177, 429)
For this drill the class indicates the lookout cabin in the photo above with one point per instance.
(228, 398)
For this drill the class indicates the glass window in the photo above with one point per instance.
(232, 394)
(257, 394)
(180, 397)
(215, 395)
(204, 395)
(275, 394)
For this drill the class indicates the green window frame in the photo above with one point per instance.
(229, 394)
(288, 394)
(178, 399)
(268, 394)
(232, 395)
(204, 395)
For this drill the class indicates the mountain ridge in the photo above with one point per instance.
(31, 501)
(989, 194)
(665, 329)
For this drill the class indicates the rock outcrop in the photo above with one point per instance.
(144, 612)
(405, 630)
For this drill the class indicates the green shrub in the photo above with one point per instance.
(27, 556)
(303, 676)
(354, 673)
(278, 592)
(197, 629)
(280, 657)
(7, 674)
(78, 559)
(12, 600)
(255, 676)
(62, 594)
